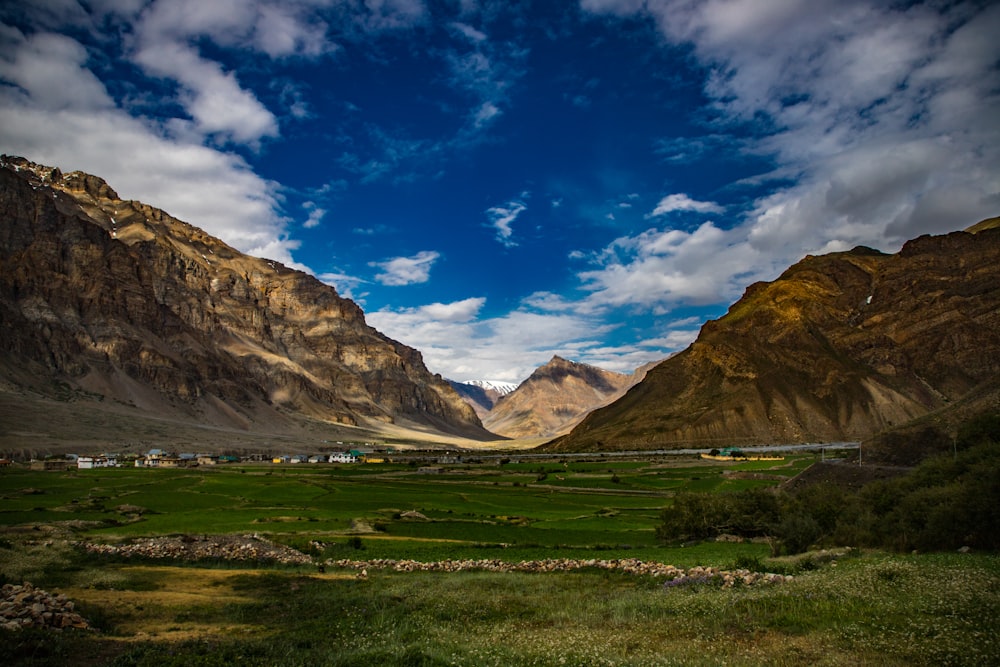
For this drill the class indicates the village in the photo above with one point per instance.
(160, 458)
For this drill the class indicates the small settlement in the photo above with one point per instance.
(160, 458)
(737, 454)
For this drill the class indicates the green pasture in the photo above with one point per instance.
(508, 507)
(851, 609)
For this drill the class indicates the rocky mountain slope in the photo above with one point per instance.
(554, 399)
(482, 395)
(118, 301)
(837, 348)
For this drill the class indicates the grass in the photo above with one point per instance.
(474, 500)
(872, 609)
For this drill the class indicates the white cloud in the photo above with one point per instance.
(457, 311)
(276, 28)
(50, 70)
(54, 109)
(461, 346)
(400, 271)
(344, 284)
(316, 215)
(59, 113)
(215, 100)
(484, 70)
(163, 44)
(681, 202)
(502, 218)
(884, 119)
(658, 269)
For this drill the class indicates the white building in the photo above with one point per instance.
(90, 462)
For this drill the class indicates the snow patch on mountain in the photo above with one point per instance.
(502, 388)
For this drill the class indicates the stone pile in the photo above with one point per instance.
(726, 578)
(27, 606)
(256, 548)
(218, 547)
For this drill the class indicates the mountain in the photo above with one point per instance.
(554, 399)
(482, 395)
(839, 347)
(120, 304)
(501, 388)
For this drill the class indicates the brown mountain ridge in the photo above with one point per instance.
(839, 347)
(555, 398)
(120, 302)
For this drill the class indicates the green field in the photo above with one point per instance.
(865, 608)
(523, 505)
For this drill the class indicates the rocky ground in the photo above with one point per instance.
(725, 578)
(210, 547)
(26, 606)
(256, 548)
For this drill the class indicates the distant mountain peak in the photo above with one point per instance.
(499, 386)
(554, 398)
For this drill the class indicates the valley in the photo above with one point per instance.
(503, 562)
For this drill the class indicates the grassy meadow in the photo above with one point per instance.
(855, 608)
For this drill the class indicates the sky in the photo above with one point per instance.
(495, 183)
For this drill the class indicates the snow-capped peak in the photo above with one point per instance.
(502, 388)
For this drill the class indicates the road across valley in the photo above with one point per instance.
(755, 449)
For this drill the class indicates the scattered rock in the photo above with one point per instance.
(26, 606)
(193, 548)
(726, 578)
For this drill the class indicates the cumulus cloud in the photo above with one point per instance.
(883, 120)
(681, 202)
(400, 271)
(50, 72)
(56, 110)
(211, 189)
(461, 345)
(165, 39)
(213, 98)
(659, 269)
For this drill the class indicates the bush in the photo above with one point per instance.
(798, 531)
(947, 502)
(696, 516)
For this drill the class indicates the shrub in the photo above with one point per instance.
(798, 531)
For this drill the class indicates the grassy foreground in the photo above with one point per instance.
(868, 610)
(862, 609)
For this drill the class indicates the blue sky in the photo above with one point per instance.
(498, 182)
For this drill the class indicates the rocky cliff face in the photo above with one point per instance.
(839, 347)
(554, 399)
(121, 300)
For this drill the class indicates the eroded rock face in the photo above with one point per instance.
(123, 300)
(839, 347)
